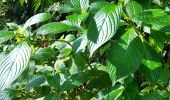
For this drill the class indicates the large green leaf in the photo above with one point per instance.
(150, 63)
(14, 64)
(104, 26)
(5, 36)
(126, 55)
(133, 8)
(82, 4)
(37, 19)
(155, 17)
(54, 28)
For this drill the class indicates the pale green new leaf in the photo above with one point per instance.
(82, 4)
(126, 55)
(5, 36)
(37, 19)
(104, 26)
(14, 64)
(54, 28)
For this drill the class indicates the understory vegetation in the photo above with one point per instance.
(84, 50)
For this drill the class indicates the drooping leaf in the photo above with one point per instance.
(14, 64)
(103, 27)
(82, 4)
(37, 19)
(126, 55)
(5, 36)
(54, 28)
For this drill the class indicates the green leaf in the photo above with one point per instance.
(81, 4)
(36, 81)
(96, 6)
(151, 58)
(13, 26)
(54, 28)
(52, 96)
(103, 26)
(44, 54)
(21, 2)
(152, 96)
(5, 36)
(78, 64)
(76, 19)
(151, 75)
(79, 45)
(133, 8)
(54, 81)
(37, 19)
(14, 64)
(112, 72)
(67, 9)
(126, 54)
(158, 20)
(4, 95)
(114, 95)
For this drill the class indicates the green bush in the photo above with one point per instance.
(87, 50)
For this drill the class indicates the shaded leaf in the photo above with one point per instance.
(130, 49)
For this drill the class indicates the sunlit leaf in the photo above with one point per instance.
(103, 26)
(37, 19)
(14, 64)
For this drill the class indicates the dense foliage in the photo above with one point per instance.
(85, 50)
